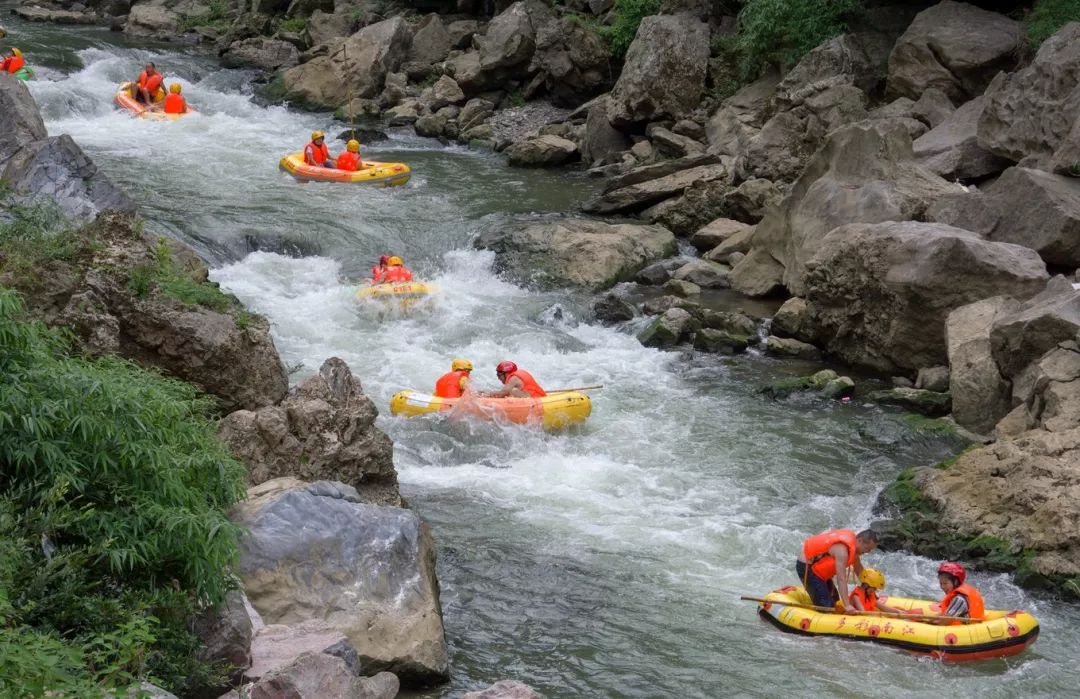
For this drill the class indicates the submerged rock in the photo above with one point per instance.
(930, 403)
(504, 689)
(672, 327)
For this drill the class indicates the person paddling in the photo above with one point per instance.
(148, 87)
(350, 159)
(14, 62)
(455, 382)
(822, 565)
(961, 599)
(316, 153)
(517, 383)
(174, 101)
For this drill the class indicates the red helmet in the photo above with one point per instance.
(506, 368)
(954, 569)
(384, 259)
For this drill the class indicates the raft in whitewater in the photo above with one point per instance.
(379, 174)
(1000, 635)
(126, 101)
(397, 295)
(554, 411)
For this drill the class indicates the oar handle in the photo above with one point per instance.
(888, 615)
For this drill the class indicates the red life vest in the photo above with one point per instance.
(316, 155)
(377, 274)
(529, 384)
(976, 607)
(449, 384)
(14, 63)
(868, 600)
(397, 274)
(153, 83)
(816, 551)
(142, 79)
(175, 104)
(348, 161)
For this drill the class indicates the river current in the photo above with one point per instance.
(603, 562)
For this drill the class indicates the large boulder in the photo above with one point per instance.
(315, 551)
(640, 195)
(865, 173)
(860, 60)
(225, 632)
(955, 47)
(1031, 114)
(357, 67)
(152, 19)
(952, 148)
(322, 676)
(571, 61)
(980, 394)
(1021, 338)
(880, 293)
(603, 143)
(577, 252)
(260, 52)
(664, 73)
(542, 151)
(275, 646)
(741, 116)
(431, 42)
(324, 429)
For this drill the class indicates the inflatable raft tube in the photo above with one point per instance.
(379, 174)
(554, 411)
(124, 100)
(1000, 635)
(403, 295)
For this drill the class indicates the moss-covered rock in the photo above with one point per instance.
(928, 403)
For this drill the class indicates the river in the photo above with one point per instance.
(603, 562)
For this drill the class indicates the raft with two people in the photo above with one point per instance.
(125, 99)
(315, 164)
(392, 287)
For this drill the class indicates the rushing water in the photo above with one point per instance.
(603, 562)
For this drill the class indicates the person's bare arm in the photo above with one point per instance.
(839, 554)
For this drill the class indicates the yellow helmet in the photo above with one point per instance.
(353, 146)
(16, 52)
(315, 135)
(394, 261)
(461, 365)
(175, 88)
(873, 578)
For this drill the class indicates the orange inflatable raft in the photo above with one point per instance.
(379, 174)
(554, 411)
(125, 100)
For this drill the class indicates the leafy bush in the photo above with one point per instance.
(295, 25)
(628, 15)
(113, 494)
(782, 31)
(34, 234)
(1049, 16)
(216, 16)
(174, 283)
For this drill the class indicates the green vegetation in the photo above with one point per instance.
(294, 25)
(628, 15)
(173, 283)
(1048, 16)
(35, 234)
(780, 32)
(216, 17)
(929, 426)
(113, 532)
(516, 99)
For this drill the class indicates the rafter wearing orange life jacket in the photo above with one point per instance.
(529, 384)
(449, 384)
(976, 606)
(174, 101)
(151, 82)
(14, 62)
(396, 272)
(868, 599)
(316, 153)
(816, 551)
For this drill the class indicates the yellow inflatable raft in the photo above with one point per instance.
(381, 174)
(1001, 634)
(554, 411)
(125, 100)
(399, 295)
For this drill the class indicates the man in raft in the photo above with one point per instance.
(378, 272)
(455, 382)
(148, 88)
(960, 598)
(350, 159)
(517, 383)
(823, 564)
(174, 101)
(396, 271)
(316, 153)
(13, 63)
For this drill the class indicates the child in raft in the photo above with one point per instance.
(865, 597)
(961, 599)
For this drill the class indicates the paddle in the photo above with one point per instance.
(889, 615)
(579, 388)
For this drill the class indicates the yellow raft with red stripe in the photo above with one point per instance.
(379, 174)
(1000, 635)
(397, 295)
(125, 100)
(554, 411)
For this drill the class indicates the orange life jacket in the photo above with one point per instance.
(377, 274)
(348, 161)
(868, 599)
(316, 155)
(142, 79)
(397, 274)
(976, 607)
(449, 384)
(14, 63)
(529, 383)
(152, 83)
(816, 551)
(175, 104)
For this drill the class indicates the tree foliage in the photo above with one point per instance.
(1048, 17)
(628, 15)
(780, 32)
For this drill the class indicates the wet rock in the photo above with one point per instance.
(260, 52)
(720, 342)
(640, 195)
(729, 321)
(145, 690)
(431, 125)
(715, 232)
(758, 274)
(929, 403)
(1030, 113)
(542, 151)
(403, 114)
(933, 379)
(54, 16)
(705, 274)
(683, 289)
(952, 148)
(781, 388)
(324, 429)
(955, 47)
(738, 244)
(672, 144)
(158, 21)
(657, 273)
(664, 72)
(980, 393)
(793, 320)
(672, 327)
(788, 347)
(602, 143)
(902, 382)
(891, 286)
(504, 689)
(700, 203)
(475, 112)
(612, 309)
(840, 387)
(321, 676)
(225, 633)
(577, 252)
(314, 551)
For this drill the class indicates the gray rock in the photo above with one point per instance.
(576, 252)
(54, 16)
(446, 91)
(720, 342)
(431, 41)
(146, 19)
(793, 320)
(757, 274)
(660, 305)
(656, 171)
(316, 552)
(715, 232)
(672, 327)
(934, 378)
(930, 403)
(1020, 338)
(955, 47)
(658, 272)
(701, 202)
(858, 60)
(840, 387)
(326, 27)
(691, 129)
(741, 116)
(708, 275)
(738, 244)
(145, 690)
(731, 322)
(788, 347)
(980, 393)
(542, 151)
(322, 676)
(324, 429)
(682, 288)
(933, 107)
(902, 382)
(474, 113)
(609, 308)
(504, 689)
(403, 114)
(664, 72)
(260, 52)
(672, 144)
(643, 194)
(602, 143)
(225, 633)
(952, 148)
(276, 646)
